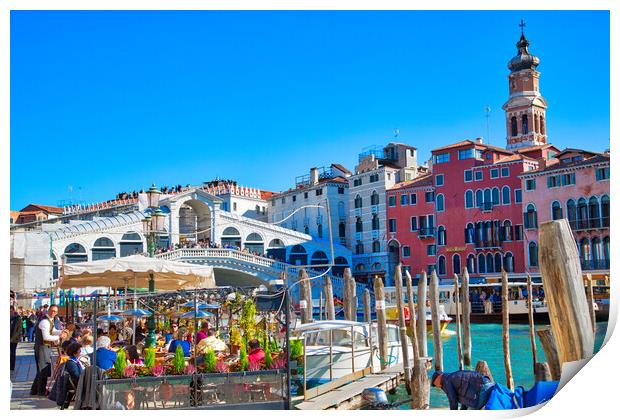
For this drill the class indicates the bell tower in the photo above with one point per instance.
(525, 109)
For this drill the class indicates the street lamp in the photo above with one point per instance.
(152, 225)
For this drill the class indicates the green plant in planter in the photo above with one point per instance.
(268, 358)
(243, 358)
(210, 360)
(120, 363)
(178, 362)
(248, 319)
(149, 357)
(235, 336)
(296, 349)
(273, 346)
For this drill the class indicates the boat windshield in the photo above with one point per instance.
(340, 337)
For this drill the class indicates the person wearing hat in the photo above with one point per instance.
(469, 388)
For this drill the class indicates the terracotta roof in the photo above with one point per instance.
(459, 144)
(598, 158)
(421, 181)
(533, 148)
(341, 168)
(266, 194)
(512, 158)
(48, 209)
(571, 150)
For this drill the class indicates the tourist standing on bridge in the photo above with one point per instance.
(46, 336)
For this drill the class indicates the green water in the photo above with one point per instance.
(487, 345)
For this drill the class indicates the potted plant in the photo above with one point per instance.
(178, 362)
(235, 340)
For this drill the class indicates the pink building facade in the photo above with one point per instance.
(574, 187)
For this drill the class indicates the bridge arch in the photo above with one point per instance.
(298, 255)
(319, 259)
(231, 237)
(276, 249)
(254, 243)
(194, 218)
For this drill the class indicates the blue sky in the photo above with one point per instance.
(103, 102)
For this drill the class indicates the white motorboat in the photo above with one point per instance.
(346, 346)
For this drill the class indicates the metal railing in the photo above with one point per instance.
(586, 224)
(426, 231)
(595, 264)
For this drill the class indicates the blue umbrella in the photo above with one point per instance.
(112, 318)
(201, 305)
(135, 312)
(199, 314)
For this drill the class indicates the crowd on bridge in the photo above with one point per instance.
(207, 244)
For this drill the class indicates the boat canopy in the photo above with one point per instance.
(328, 325)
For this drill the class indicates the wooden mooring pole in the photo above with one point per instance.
(321, 306)
(437, 346)
(305, 297)
(348, 295)
(367, 310)
(506, 331)
(457, 303)
(381, 321)
(530, 317)
(420, 385)
(590, 297)
(551, 352)
(422, 339)
(560, 269)
(466, 318)
(329, 299)
(402, 326)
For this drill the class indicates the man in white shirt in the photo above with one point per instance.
(46, 337)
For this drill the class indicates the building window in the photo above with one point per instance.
(376, 246)
(468, 174)
(414, 223)
(319, 229)
(294, 198)
(494, 173)
(478, 175)
(509, 263)
(392, 225)
(342, 229)
(359, 248)
(518, 232)
(505, 172)
(103, 249)
(469, 233)
(530, 184)
(533, 254)
(442, 158)
(530, 218)
(306, 230)
(456, 264)
(524, 124)
(605, 210)
(431, 250)
(392, 201)
(404, 199)
(442, 266)
(466, 154)
(429, 196)
(357, 182)
(406, 252)
(375, 222)
(482, 264)
(568, 179)
(340, 190)
(479, 198)
(374, 178)
(495, 196)
(319, 191)
(556, 210)
(359, 227)
(283, 201)
(439, 180)
(518, 196)
(440, 203)
(506, 195)
(469, 199)
(306, 194)
(471, 263)
(553, 181)
(513, 127)
(374, 198)
(602, 174)
(441, 236)
(413, 199)
(358, 202)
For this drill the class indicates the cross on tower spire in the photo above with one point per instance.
(522, 25)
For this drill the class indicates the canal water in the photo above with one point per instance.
(487, 345)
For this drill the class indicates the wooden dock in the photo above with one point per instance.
(349, 396)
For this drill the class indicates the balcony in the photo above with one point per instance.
(487, 244)
(486, 206)
(594, 265)
(425, 232)
(588, 224)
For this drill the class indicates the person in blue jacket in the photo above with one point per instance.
(180, 341)
(105, 356)
(466, 387)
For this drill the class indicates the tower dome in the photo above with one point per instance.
(524, 59)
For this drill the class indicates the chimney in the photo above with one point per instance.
(314, 176)
(479, 140)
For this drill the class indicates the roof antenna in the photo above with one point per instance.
(487, 112)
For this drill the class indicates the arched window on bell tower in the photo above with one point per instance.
(524, 124)
(513, 127)
(537, 123)
(542, 125)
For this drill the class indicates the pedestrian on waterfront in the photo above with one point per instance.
(16, 333)
(24, 320)
(105, 356)
(74, 368)
(32, 320)
(466, 387)
(46, 337)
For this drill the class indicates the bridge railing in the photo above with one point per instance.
(273, 266)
